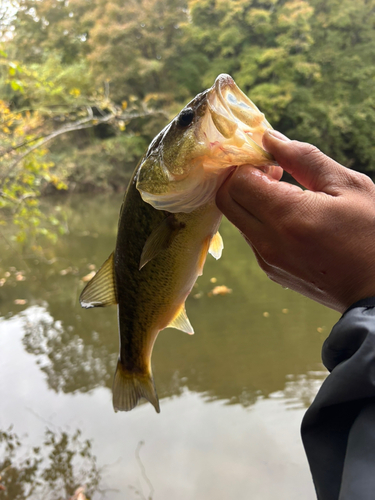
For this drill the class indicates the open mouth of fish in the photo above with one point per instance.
(188, 161)
(238, 125)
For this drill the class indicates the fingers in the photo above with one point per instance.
(237, 213)
(306, 240)
(273, 171)
(307, 164)
(250, 196)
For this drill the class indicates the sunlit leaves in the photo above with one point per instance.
(264, 45)
(308, 64)
(21, 182)
(131, 44)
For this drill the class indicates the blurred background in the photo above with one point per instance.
(84, 87)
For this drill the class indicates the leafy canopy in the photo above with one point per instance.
(111, 73)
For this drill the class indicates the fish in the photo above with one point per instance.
(168, 223)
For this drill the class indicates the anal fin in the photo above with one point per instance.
(101, 290)
(181, 321)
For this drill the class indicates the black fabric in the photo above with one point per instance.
(369, 302)
(338, 430)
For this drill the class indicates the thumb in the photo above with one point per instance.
(307, 164)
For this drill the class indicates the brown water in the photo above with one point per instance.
(232, 396)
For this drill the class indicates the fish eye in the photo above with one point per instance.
(185, 117)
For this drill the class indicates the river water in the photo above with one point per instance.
(232, 396)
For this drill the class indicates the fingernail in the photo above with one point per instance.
(278, 135)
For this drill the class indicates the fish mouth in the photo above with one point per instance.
(227, 133)
(238, 122)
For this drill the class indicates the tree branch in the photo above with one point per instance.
(87, 122)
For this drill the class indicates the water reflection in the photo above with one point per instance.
(70, 362)
(300, 390)
(249, 344)
(62, 467)
(232, 395)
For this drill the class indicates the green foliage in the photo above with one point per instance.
(308, 64)
(50, 99)
(344, 42)
(103, 164)
(131, 44)
(22, 178)
(50, 26)
(53, 87)
(264, 45)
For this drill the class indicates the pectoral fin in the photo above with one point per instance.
(160, 239)
(101, 290)
(216, 246)
(181, 321)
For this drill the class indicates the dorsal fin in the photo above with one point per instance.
(181, 321)
(216, 246)
(101, 290)
(160, 239)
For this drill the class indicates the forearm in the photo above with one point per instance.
(338, 430)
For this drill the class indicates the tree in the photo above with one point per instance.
(343, 112)
(131, 43)
(308, 64)
(23, 168)
(48, 106)
(263, 44)
(51, 26)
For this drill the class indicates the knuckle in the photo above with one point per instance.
(360, 181)
(309, 150)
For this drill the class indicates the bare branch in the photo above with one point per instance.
(20, 145)
(7, 197)
(87, 122)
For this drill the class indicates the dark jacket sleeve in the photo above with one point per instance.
(338, 430)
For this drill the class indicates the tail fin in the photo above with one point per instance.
(129, 388)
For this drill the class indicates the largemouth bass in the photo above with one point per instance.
(168, 223)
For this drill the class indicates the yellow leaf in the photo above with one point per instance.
(75, 92)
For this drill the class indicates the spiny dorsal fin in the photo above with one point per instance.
(181, 321)
(216, 246)
(101, 290)
(160, 239)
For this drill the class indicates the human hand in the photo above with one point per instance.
(320, 241)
